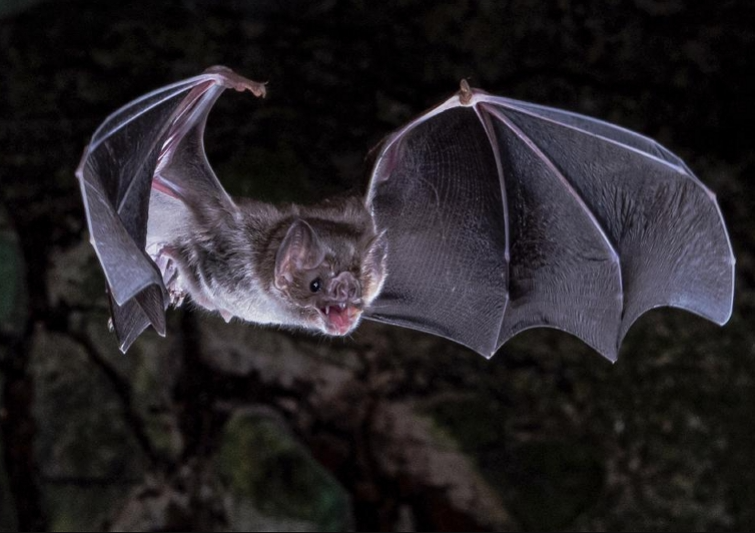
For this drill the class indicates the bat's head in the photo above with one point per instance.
(330, 272)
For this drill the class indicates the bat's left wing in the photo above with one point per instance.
(502, 216)
(152, 142)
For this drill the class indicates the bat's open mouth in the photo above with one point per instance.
(340, 318)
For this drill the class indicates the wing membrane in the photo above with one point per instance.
(159, 131)
(601, 224)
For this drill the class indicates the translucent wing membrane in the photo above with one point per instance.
(503, 215)
(130, 153)
(446, 231)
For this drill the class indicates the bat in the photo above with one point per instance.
(483, 217)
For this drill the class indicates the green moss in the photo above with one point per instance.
(264, 465)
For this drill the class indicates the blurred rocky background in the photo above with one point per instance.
(235, 427)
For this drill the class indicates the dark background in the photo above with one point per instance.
(239, 427)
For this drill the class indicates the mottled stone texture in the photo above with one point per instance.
(235, 427)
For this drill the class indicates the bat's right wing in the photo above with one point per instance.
(152, 142)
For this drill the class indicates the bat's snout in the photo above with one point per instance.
(344, 288)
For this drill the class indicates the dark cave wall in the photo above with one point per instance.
(230, 426)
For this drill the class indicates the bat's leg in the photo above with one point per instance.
(177, 297)
(180, 280)
(165, 260)
(173, 284)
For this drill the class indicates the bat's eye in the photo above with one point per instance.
(316, 285)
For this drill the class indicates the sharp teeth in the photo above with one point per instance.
(343, 306)
(327, 309)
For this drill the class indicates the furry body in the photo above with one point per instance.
(223, 255)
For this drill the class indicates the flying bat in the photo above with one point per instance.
(483, 217)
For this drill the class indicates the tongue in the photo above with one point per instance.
(339, 319)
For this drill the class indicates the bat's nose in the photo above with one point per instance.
(344, 287)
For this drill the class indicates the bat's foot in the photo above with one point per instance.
(177, 296)
(162, 255)
(164, 259)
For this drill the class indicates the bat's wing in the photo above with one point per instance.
(503, 216)
(155, 141)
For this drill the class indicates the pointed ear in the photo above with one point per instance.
(374, 269)
(301, 249)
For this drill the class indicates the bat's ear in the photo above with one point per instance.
(374, 268)
(301, 249)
